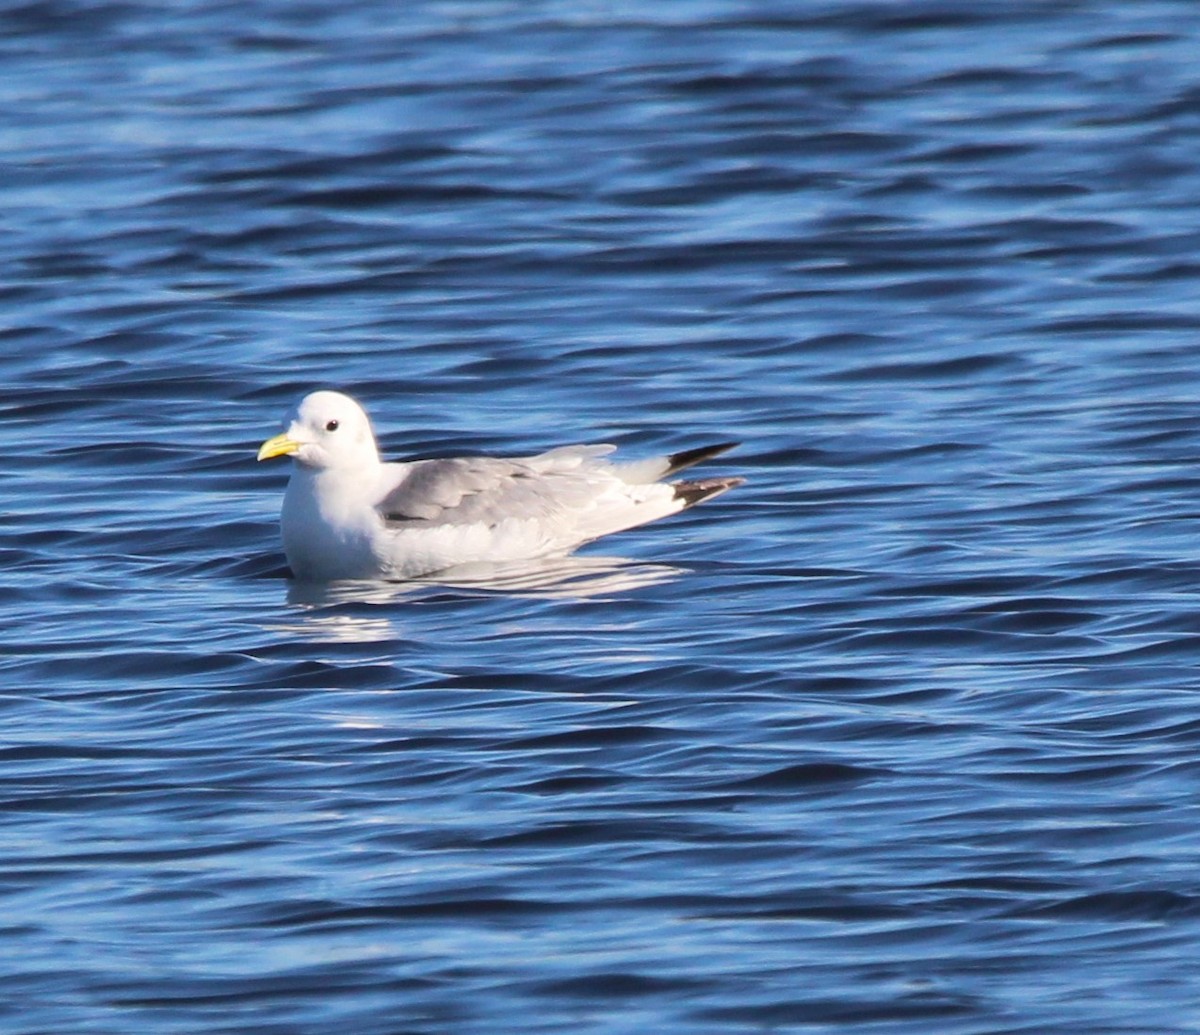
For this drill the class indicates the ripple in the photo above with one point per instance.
(903, 722)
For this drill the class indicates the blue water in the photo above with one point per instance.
(900, 737)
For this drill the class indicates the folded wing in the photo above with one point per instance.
(487, 491)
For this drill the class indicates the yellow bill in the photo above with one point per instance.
(280, 445)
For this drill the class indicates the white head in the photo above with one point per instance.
(326, 431)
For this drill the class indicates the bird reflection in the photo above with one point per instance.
(571, 577)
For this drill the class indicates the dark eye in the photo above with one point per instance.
(331, 426)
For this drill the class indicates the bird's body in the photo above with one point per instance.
(347, 514)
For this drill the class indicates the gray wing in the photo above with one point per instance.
(486, 491)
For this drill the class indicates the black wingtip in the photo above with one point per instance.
(678, 461)
(697, 492)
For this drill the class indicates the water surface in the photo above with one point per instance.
(899, 737)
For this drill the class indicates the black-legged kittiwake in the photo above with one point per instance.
(347, 514)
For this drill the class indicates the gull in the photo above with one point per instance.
(348, 514)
